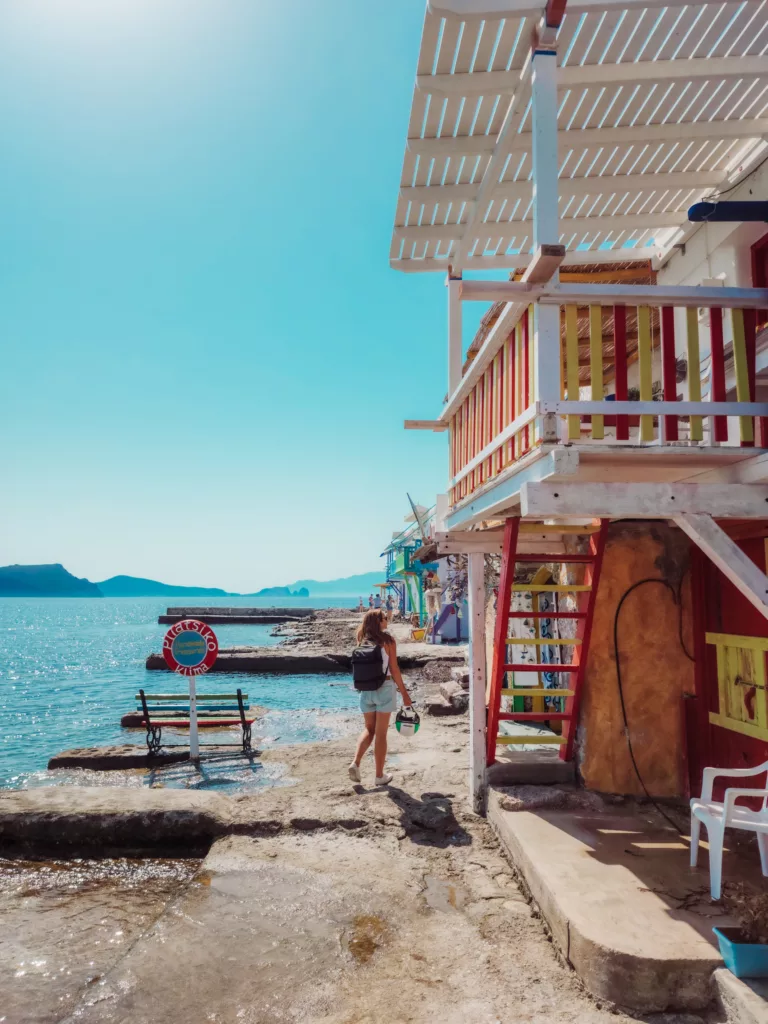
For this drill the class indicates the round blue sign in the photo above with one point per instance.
(189, 649)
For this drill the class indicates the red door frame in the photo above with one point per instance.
(760, 266)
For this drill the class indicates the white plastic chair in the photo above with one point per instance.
(717, 817)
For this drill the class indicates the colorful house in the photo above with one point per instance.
(607, 426)
(404, 573)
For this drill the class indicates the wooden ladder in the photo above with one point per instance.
(579, 645)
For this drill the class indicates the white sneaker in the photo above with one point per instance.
(383, 780)
(354, 772)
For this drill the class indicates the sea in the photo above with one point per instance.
(71, 667)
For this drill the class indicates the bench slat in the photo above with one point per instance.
(163, 709)
(184, 696)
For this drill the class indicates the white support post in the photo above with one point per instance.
(546, 320)
(476, 589)
(453, 283)
(194, 742)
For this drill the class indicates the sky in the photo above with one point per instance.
(205, 356)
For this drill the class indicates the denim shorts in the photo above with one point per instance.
(384, 699)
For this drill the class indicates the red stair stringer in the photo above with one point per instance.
(577, 667)
(584, 632)
(503, 607)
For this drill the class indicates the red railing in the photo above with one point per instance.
(610, 346)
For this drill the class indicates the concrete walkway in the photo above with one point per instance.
(614, 886)
(322, 901)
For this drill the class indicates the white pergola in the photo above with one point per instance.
(656, 105)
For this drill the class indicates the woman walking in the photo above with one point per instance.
(373, 662)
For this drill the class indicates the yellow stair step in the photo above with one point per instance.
(520, 740)
(543, 641)
(536, 691)
(549, 588)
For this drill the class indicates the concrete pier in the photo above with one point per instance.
(279, 661)
(236, 616)
(129, 755)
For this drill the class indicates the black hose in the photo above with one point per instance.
(676, 597)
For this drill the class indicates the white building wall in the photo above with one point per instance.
(717, 254)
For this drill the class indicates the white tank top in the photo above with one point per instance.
(385, 661)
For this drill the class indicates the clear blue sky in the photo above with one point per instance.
(206, 357)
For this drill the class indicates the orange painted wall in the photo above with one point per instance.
(655, 670)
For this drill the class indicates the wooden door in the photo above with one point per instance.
(728, 725)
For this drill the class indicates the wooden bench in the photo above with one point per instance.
(213, 710)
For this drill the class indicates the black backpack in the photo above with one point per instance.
(368, 667)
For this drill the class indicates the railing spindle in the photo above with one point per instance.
(572, 367)
(717, 370)
(511, 385)
(526, 374)
(500, 406)
(518, 385)
(669, 368)
(491, 412)
(694, 370)
(481, 395)
(645, 360)
(596, 366)
(620, 367)
(745, 381)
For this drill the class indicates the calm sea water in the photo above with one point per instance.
(70, 667)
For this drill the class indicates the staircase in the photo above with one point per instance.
(514, 554)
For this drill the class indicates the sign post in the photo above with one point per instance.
(190, 648)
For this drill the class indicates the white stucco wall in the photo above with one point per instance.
(721, 251)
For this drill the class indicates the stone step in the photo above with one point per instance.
(449, 688)
(461, 674)
(438, 705)
(460, 701)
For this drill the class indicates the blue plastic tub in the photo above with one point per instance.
(744, 959)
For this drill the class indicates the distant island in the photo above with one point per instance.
(43, 581)
(135, 586)
(280, 592)
(54, 581)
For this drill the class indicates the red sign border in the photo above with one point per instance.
(191, 626)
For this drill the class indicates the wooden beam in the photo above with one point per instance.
(607, 185)
(477, 680)
(511, 228)
(455, 342)
(643, 501)
(436, 425)
(575, 76)
(727, 556)
(615, 294)
(752, 470)
(645, 408)
(587, 138)
(489, 542)
(514, 261)
(544, 265)
(480, 10)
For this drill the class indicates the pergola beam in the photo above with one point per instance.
(476, 10)
(515, 261)
(492, 83)
(620, 184)
(585, 138)
(508, 229)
